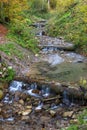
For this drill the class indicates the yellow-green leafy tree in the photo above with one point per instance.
(12, 9)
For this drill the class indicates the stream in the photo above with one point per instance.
(49, 101)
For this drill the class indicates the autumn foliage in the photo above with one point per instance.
(12, 9)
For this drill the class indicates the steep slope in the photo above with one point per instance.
(71, 23)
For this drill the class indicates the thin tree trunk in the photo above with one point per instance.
(2, 12)
(48, 4)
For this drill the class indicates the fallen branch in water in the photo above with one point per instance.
(52, 98)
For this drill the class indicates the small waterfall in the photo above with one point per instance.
(66, 98)
(7, 99)
(15, 86)
(39, 107)
(33, 86)
(45, 91)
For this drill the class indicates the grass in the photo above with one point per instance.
(72, 25)
(11, 50)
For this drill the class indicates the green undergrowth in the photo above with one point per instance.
(21, 33)
(6, 73)
(11, 50)
(71, 24)
(82, 121)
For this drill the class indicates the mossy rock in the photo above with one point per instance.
(3, 85)
(1, 94)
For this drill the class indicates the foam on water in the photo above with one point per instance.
(15, 86)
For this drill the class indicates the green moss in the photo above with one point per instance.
(11, 49)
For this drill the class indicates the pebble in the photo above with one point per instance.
(21, 102)
(52, 113)
(26, 112)
(68, 114)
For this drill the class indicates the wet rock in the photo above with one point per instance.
(39, 107)
(17, 95)
(1, 94)
(46, 106)
(36, 91)
(52, 113)
(25, 96)
(26, 112)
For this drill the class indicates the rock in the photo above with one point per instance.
(29, 107)
(36, 91)
(45, 118)
(1, 73)
(46, 106)
(4, 68)
(25, 118)
(68, 114)
(58, 124)
(26, 112)
(9, 67)
(75, 121)
(36, 55)
(3, 85)
(52, 113)
(21, 102)
(24, 96)
(1, 94)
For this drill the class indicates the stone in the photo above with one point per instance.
(45, 118)
(9, 67)
(1, 94)
(36, 55)
(1, 73)
(52, 113)
(25, 118)
(58, 124)
(46, 106)
(21, 102)
(74, 121)
(29, 107)
(3, 85)
(26, 112)
(68, 114)
(35, 91)
(4, 69)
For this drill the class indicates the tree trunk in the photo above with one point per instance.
(2, 18)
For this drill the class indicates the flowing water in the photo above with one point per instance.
(56, 63)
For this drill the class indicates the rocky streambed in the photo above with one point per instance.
(50, 88)
(33, 106)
